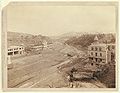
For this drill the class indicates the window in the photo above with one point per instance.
(91, 53)
(113, 47)
(96, 54)
(96, 59)
(20, 52)
(101, 60)
(100, 54)
(16, 49)
(109, 48)
(96, 48)
(10, 53)
(100, 48)
(92, 48)
(90, 58)
(92, 64)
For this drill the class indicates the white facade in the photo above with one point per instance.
(15, 50)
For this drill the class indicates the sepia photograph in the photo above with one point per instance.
(60, 45)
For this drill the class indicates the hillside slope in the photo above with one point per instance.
(86, 39)
(14, 38)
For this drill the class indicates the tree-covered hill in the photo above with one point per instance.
(86, 39)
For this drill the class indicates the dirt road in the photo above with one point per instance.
(41, 68)
(38, 71)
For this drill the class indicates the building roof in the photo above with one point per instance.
(96, 38)
(14, 46)
(38, 46)
(101, 44)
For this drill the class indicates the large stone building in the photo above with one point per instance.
(101, 53)
(15, 50)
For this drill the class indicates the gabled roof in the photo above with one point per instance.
(96, 38)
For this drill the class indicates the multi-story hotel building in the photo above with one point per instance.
(101, 53)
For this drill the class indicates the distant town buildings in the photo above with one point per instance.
(40, 47)
(101, 53)
(15, 50)
(37, 49)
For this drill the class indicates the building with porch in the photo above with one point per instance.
(15, 50)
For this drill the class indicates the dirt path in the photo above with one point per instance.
(36, 66)
(40, 71)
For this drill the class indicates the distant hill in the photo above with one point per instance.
(86, 39)
(71, 34)
(66, 36)
(14, 38)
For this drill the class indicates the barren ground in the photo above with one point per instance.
(40, 71)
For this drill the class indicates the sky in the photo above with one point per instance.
(57, 20)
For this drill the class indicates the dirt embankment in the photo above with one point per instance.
(109, 77)
(78, 64)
